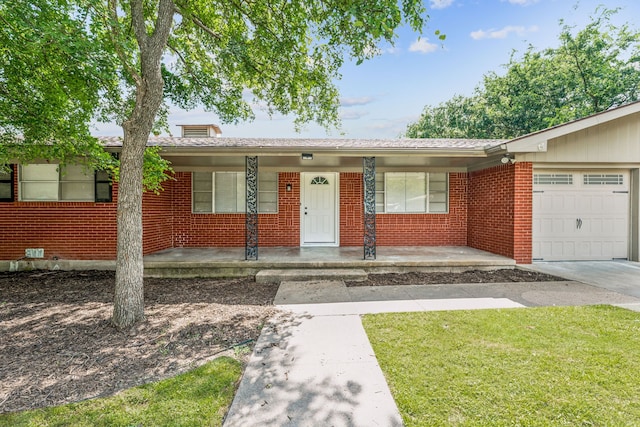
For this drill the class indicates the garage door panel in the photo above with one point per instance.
(587, 219)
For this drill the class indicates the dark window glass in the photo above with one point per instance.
(6, 185)
(103, 187)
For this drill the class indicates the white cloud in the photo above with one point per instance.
(441, 4)
(423, 46)
(522, 2)
(502, 33)
(350, 102)
(352, 115)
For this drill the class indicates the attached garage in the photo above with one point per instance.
(580, 215)
(586, 186)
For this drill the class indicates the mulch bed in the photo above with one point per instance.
(472, 276)
(58, 346)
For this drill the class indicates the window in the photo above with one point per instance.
(225, 192)
(603, 179)
(6, 185)
(74, 183)
(553, 179)
(411, 192)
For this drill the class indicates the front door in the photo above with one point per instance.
(318, 209)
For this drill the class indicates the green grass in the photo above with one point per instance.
(573, 366)
(197, 398)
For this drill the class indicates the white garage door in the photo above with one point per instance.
(580, 215)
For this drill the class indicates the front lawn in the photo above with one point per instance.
(533, 367)
(197, 398)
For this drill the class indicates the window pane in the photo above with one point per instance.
(394, 190)
(437, 207)
(78, 191)
(76, 173)
(229, 192)
(204, 207)
(415, 192)
(438, 196)
(39, 173)
(379, 192)
(6, 190)
(39, 191)
(202, 181)
(103, 176)
(268, 192)
(77, 183)
(103, 192)
(241, 192)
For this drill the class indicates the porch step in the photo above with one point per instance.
(299, 275)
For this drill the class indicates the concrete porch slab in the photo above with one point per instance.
(299, 275)
(230, 262)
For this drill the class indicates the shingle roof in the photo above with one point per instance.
(337, 143)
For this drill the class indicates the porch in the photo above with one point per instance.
(230, 262)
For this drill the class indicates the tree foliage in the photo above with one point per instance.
(125, 60)
(591, 70)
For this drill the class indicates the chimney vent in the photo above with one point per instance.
(200, 131)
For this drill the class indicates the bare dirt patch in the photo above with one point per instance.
(472, 276)
(57, 345)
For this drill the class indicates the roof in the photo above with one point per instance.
(537, 141)
(304, 143)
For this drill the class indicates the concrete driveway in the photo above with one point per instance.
(618, 276)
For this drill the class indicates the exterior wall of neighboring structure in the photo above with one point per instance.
(499, 210)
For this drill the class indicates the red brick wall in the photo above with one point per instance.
(448, 229)
(157, 219)
(500, 206)
(228, 230)
(66, 230)
(351, 209)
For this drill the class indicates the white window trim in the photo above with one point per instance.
(91, 179)
(213, 196)
(427, 201)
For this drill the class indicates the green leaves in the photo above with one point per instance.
(592, 70)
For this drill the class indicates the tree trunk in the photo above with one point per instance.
(128, 307)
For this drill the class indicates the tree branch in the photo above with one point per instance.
(114, 35)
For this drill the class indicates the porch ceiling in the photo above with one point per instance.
(321, 161)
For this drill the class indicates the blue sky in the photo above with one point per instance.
(381, 96)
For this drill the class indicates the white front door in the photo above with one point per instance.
(318, 209)
(580, 215)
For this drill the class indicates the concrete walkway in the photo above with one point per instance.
(315, 366)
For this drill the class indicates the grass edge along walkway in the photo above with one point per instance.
(198, 397)
(535, 366)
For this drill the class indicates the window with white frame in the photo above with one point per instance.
(73, 183)
(225, 192)
(412, 192)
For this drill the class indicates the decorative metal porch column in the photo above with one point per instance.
(251, 216)
(369, 179)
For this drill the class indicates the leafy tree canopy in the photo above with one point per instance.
(64, 62)
(591, 70)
